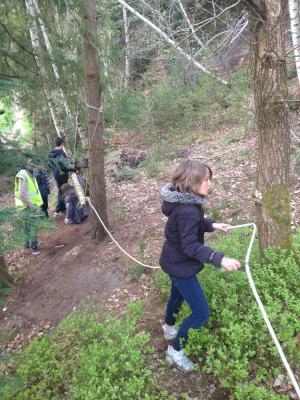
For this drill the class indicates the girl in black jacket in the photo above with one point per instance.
(184, 253)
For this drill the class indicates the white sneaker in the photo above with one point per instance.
(180, 359)
(170, 332)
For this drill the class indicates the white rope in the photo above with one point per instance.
(94, 108)
(263, 311)
(251, 283)
(113, 239)
(294, 134)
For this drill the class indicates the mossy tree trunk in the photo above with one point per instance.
(5, 278)
(95, 123)
(270, 92)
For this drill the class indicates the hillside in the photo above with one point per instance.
(71, 270)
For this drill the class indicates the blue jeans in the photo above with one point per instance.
(187, 289)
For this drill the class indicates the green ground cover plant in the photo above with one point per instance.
(235, 345)
(88, 359)
(4, 291)
(127, 174)
(12, 222)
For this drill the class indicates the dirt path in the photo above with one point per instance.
(57, 281)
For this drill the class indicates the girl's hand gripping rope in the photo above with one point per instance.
(230, 264)
(221, 227)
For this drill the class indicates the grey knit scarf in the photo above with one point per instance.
(172, 196)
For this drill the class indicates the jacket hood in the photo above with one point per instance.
(56, 153)
(169, 194)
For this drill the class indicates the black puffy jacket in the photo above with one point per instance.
(184, 252)
(60, 165)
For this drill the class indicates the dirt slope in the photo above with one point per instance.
(71, 268)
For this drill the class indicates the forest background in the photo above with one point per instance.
(135, 86)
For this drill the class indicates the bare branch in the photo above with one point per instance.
(190, 24)
(171, 42)
(12, 76)
(257, 7)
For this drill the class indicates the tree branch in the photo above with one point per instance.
(186, 17)
(15, 40)
(17, 61)
(257, 7)
(171, 42)
(12, 76)
(24, 48)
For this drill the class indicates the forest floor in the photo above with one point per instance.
(71, 270)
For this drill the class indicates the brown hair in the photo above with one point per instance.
(188, 175)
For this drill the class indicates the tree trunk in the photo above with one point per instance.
(294, 7)
(126, 35)
(95, 125)
(270, 93)
(5, 278)
(54, 66)
(36, 47)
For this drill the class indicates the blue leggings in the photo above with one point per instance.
(187, 289)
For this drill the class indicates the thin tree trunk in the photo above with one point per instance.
(171, 42)
(5, 278)
(294, 7)
(95, 125)
(215, 14)
(126, 34)
(54, 67)
(34, 131)
(36, 47)
(270, 94)
(81, 134)
(190, 25)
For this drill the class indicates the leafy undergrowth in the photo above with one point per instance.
(84, 359)
(235, 345)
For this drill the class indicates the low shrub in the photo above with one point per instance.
(136, 271)
(85, 359)
(235, 345)
(126, 174)
(12, 227)
(4, 292)
(125, 110)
